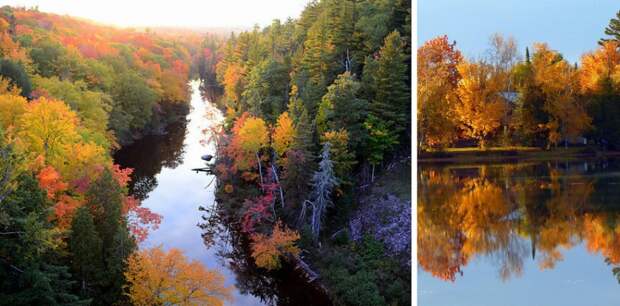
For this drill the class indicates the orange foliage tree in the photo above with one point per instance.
(437, 80)
(480, 106)
(267, 250)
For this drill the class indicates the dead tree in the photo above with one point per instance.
(323, 182)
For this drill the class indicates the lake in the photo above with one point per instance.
(528, 233)
(164, 180)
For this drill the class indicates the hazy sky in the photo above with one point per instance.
(187, 13)
(572, 27)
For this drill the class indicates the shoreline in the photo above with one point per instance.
(498, 155)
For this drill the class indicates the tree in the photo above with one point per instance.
(105, 199)
(8, 88)
(599, 82)
(28, 251)
(380, 141)
(9, 167)
(47, 128)
(266, 92)
(392, 101)
(91, 106)
(323, 183)
(557, 80)
(87, 249)
(340, 108)
(11, 108)
(284, 134)
(529, 114)
(17, 75)
(613, 30)
(155, 277)
(133, 104)
(249, 136)
(267, 250)
(437, 80)
(303, 140)
(343, 159)
(296, 175)
(481, 106)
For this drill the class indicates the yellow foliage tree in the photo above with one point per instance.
(233, 82)
(253, 135)
(48, 128)
(557, 80)
(599, 67)
(11, 108)
(6, 88)
(481, 107)
(283, 134)
(84, 159)
(156, 277)
(250, 134)
(267, 250)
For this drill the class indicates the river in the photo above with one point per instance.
(164, 180)
(528, 233)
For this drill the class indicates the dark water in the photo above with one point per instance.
(545, 233)
(164, 180)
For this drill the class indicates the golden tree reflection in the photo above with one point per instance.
(507, 213)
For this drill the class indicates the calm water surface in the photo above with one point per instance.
(164, 180)
(543, 233)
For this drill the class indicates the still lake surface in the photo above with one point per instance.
(164, 180)
(528, 233)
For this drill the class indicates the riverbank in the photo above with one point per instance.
(512, 154)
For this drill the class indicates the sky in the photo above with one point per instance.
(178, 13)
(571, 27)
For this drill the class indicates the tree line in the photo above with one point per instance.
(504, 99)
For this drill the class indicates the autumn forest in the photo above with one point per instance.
(314, 139)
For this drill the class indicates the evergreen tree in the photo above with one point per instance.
(304, 136)
(105, 200)
(529, 113)
(86, 248)
(29, 269)
(341, 108)
(380, 141)
(392, 102)
(613, 29)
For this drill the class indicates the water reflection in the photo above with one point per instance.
(506, 215)
(150, 154)
(164, 179)
(285, 286)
